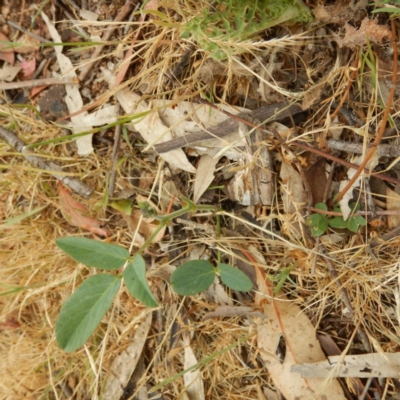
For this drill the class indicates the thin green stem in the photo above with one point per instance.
(152, 236)
(164, 219)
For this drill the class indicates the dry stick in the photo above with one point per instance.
(110, 30)
(387, 150)
(275, 112)
(345, 163)
(362, 213)
(113, 173)
(39, 162)
(37, 82)
(382, 127)
(386, 237)
(62, 4)
(37, 37)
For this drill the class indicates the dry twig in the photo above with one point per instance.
(54, 169)
(36, 83)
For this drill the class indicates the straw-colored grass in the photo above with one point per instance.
(36, 277)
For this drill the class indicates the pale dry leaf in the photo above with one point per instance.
(369, 30)
(217, 294)
(9, 72)
(73, 98)
(88, 15)
(204, 176)
(294, 196)
(193, 380)
(287, 320)
(182, 119)
(344, 202)
(103, 116)
(76, 214)
(311, 96)
(153, 129)
(392, 204)
(374, 365)
(124, 365)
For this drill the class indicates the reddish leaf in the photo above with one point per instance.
(76, 214)
(9, 324)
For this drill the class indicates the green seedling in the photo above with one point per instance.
(218, 28)
(319, 223)
(352, 223)
(84, 310)
(281, 277)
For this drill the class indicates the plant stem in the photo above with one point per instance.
(218, 219)
(152, 236)
(164, 219)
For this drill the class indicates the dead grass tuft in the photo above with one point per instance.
(36, 278)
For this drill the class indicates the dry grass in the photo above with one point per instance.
(36, 278)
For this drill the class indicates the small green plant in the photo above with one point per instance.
(281, 277)
(391, 9)
(218, 27)
(319, 223)
(83, 311)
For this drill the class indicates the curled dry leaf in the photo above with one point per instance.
(6, 53)
(76, 214)
(123, 366)
(193, 379)
(204, 176)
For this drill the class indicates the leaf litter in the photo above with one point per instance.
(345, 285)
